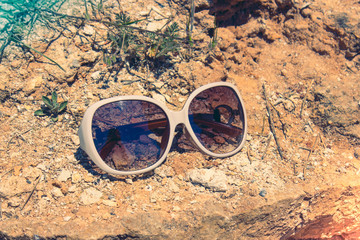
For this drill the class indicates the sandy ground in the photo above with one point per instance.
(305, 56)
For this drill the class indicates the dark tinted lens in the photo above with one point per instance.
(130, 135)
(217, 119)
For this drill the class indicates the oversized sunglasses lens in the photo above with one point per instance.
(217, 118)
(130, 135)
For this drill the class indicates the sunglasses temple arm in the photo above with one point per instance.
(107, 148)
(152, 124)
(227, 129)
(162, 123)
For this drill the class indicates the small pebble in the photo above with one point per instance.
(75, 139)
(72, 189)
(263, 193)
(129, 181)
(176, 209)
(96, 75)
(64, 175)
(56, 193)
(89, 30)
(75, 178)
(148, 188)
(109, 203)
(90, 196)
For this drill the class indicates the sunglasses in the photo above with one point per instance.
(129, 135)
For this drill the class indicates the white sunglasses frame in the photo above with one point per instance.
(175, 118)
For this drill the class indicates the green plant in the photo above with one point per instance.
(123, 39)
(97, 8)
(214, 40)
(124, 36)
(161, 45)
(51, 108)
(20, 17)
(190, 26)
(129, 42)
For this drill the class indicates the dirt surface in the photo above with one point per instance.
(303, 185)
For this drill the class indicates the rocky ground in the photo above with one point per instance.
(304, 54)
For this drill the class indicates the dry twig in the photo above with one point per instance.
(263, 126)
(32, 192)
(267, 146)
(312, 148)
(310, 152)
(322, 141)
(283, 126)
(294, 168)
(1, 208)
(19, 135)
(271, 123)
(248, 154)
(304, 99)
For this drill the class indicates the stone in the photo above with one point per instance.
(89, 30)
(173, 187)
(88, 178)
(129, 181)
(76, 177)
(72, 28)
(71, 159)
(96, 75)
(176, 209)
(43, 167)
(89, 57)
(155, 25)
(184, 91)
(110, 203)
(271, 35)
(90, 196)
(56, 193)
(64, 175)
(263, 193)
(148, 188)
(203, 4)
(33, 83)
(158, 85)
(72, 189)
(232, 167)
(14, 185)
(215, 180)
(75, 139)
(164, 171)
(182, 99)
(75, 64)
(159, 97)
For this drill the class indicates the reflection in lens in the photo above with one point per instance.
(130, 135)
(217, 119)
